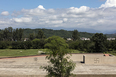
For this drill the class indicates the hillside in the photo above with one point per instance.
(51, 32)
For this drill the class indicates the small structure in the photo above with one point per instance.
(69, 39)
(111, 39)
(26, 39)
(99, 59)
(83, 38)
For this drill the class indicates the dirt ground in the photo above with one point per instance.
(31, 66)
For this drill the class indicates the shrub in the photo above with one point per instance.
(3, 45)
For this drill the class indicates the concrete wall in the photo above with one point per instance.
(81, 75)
(99, 59)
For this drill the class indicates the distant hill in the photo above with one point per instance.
(111, 35)
(61, 33)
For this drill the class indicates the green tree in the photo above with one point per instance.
(20, 33)
(5, 34)
(10, 30)
(40, 34)
(99, 39)
(1, 36)
(3, 45)
(14, 35)
(60, 65)
(31, 36)
(27, 44)
(75, 35)
(35, 44)
(113, 45)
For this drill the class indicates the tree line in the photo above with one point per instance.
(12, 38)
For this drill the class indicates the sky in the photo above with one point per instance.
(83, 15)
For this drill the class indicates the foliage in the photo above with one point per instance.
(51, 32)
(75, 35)
(31, 36)
(79, 45)
(27, 44)
(99, 39)
(17, 45)
(73, 44)
(40, 34)
(3, 45)
(38, 43)
(20, 52)
(113, 45)
(35, 43)
(9, 33)
(60, 65)
(20, 33)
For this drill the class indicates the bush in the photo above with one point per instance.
(27, 44)
(17, 45)
(3, 45)
(21, 45)
(38, 44)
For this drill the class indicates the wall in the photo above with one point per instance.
(99, 59)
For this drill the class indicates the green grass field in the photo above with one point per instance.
(23, 52)
(30, 52)
(19, 52)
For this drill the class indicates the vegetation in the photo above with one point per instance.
(75, 35)
(14, 39)
(20, 52)
(27, 52)
(60, 65)
(99, 39)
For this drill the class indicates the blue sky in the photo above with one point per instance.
(95, 15)
(11, 5)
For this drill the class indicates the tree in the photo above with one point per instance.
(10, 29)
(3, 45)
(60, 65)
(31, 36)
(99, 39)
(35, 44)
(20, 33)
(5, 34)
(75, 35)
(1, 36)
(40, 34)
(14, 35)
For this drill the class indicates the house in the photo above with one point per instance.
(111, 39)
(25, 39)
(83, 38)
(69, 39)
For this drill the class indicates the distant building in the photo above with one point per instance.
(26, 39)
(111, 39)
(69, 39)
(83, 38)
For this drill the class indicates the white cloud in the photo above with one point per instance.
(65, 19)
(109, 3)
(83, 17)
(54, 22)
(22, 19)
(41, 7)
(2, 22)
(40, 10)
(51, 10)
(5, 13)
(78, 10)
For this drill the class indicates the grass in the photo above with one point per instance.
(76, 51)
(31, 52)
(27, 52)
(20, 52)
